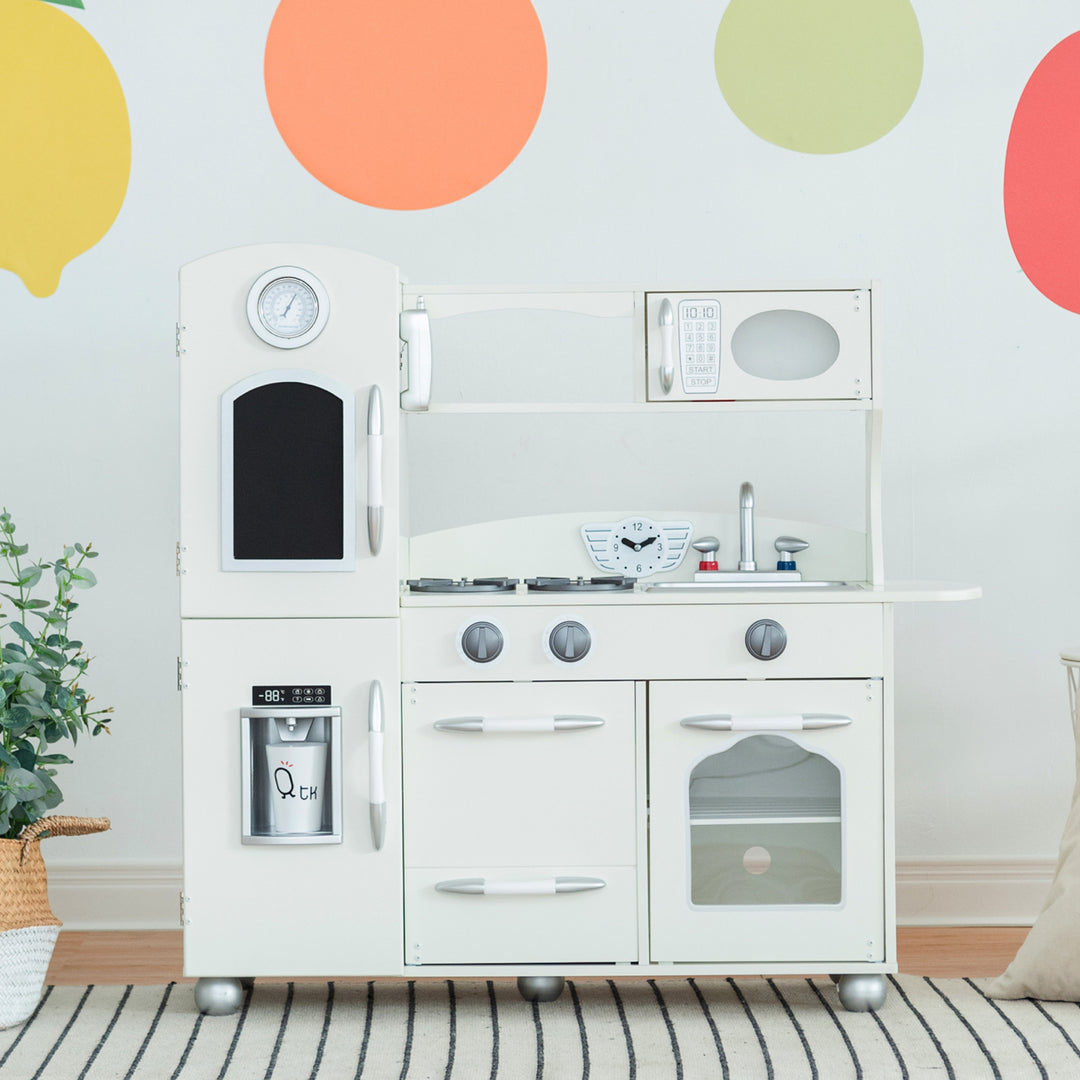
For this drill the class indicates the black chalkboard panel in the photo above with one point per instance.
(288, 456)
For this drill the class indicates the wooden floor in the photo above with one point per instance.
(146, 958)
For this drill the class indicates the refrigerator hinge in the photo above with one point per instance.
(181, 663)
(180, 350)
(184, 900)
(177, 558)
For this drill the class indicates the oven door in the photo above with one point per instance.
(766, 821)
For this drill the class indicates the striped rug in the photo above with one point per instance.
(597, 1029)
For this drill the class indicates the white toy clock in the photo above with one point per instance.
(637, 546)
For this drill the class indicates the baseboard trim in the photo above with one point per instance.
(971, 892)
(929, 892)
(116, 896)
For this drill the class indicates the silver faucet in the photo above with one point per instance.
(746, 527)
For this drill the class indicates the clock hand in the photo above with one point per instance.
(637, 547)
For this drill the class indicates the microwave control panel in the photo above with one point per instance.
(699, 344)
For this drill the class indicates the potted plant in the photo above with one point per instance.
(42, 702)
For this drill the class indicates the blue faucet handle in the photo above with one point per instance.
(786, 546)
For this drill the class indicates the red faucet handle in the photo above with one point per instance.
(707, 546)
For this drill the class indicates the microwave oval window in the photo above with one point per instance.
(784, 344)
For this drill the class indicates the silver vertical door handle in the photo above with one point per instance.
(374, 470)
(795, 722)
(667, 345)
(376, 780)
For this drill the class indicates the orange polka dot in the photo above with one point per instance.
(405, 104)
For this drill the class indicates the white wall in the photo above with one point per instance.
(616, 184)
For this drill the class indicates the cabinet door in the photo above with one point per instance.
(522, 791)
(767, 821)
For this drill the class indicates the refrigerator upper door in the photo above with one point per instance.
(276, 489)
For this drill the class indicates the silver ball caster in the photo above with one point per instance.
(861, 993)
(540, 987)
(218, 997)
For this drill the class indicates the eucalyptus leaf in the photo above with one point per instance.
(25, 785)
(22, 632)
(9, 759)
(18, 716)
(83, 578)
(29, 577)
(53, 759)
(53, 796)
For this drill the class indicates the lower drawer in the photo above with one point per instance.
(486, 915)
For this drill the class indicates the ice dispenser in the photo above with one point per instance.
(291, 779)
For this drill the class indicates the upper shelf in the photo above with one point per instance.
(624, 350)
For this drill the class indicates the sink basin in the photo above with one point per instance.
(711, 586)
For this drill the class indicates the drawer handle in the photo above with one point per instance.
(495, 725)
(479, 886)
(798, 722)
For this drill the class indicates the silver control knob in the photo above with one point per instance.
(707, 545)
(482, 642)
(570, 641)
(766, 639)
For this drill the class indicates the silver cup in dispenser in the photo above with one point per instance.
(291, 788)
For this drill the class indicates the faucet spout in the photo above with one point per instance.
(746, 527)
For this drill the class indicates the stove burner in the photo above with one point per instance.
(448, 585)
(617, 583)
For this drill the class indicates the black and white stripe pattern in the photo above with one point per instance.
(683, 1029)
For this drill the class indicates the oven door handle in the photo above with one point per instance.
(542, 887)
(376, 779)
(796, 722)
(497, 725)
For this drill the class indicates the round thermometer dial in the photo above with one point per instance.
(288, 307)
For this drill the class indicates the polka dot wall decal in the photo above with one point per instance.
(405, 104)
(1042, 176)
(823, 77)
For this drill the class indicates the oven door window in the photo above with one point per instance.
(765, 826)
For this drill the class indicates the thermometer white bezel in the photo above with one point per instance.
(278, 337)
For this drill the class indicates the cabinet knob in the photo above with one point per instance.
(482, 642)
(766, 639)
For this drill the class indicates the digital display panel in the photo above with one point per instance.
(279, 696)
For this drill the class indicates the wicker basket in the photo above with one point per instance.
(28, 928)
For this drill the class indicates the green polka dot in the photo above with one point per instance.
(819, 76)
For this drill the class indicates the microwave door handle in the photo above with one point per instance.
(376, 780)
(374, 470)
(798, 722)
(667, 345)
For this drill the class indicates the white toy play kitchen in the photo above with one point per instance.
(673, 757)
